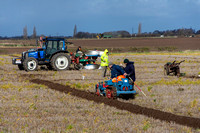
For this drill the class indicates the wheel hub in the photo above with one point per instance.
(31, 65)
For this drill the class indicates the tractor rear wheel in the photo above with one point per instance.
(30, 64)
(60, 61)
(111, 92)
(114, 92)
(108, 93)
(21, 67)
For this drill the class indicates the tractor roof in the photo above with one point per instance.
(53, 39)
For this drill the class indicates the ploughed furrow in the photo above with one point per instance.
(136, 109)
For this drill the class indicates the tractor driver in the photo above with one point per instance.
(78, 49)
(79, 52)
(130, 70)
(116, 70)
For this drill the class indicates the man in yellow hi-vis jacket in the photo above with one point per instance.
(104, 62)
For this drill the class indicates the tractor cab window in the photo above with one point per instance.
(56, 45)
(60, 45)
(50, 45)
(43, 45)
(51, 48)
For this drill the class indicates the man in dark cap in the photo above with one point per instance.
(78, 49)
(116, 70)
(129, 69)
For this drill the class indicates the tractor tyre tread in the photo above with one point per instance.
(21, 67)
(25, 64)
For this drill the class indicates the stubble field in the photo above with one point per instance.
(61, 101)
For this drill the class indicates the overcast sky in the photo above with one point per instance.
(58, 17)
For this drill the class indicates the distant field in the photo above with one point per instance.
(114, 45)
(151, 43)
(53, 101)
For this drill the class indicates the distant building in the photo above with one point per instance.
(99, 36)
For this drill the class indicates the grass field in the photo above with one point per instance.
(31, 107)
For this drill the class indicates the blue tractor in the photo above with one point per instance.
(115, 88)
(53, 53)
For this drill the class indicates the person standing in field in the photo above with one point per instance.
(130, 69)
(104, 62)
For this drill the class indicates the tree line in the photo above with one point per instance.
(186, 32)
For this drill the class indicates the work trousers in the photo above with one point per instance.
(104, 70)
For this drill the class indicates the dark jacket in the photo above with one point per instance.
(130, 70)
(116, 71)
(77, 50)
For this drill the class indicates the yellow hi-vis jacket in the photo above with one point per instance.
(104, 58)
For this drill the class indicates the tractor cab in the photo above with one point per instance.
(50, 46)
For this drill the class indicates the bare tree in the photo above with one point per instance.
(25, 33)
(75, 32)
(34, 32)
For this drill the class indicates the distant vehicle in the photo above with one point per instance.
(99, 36)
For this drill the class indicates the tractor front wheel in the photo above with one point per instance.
(60, 61)
(30, 64)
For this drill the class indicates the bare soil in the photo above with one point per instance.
(122, 45)
(136, 109)
(179, 43)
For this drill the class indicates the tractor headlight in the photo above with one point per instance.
(126, 81)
